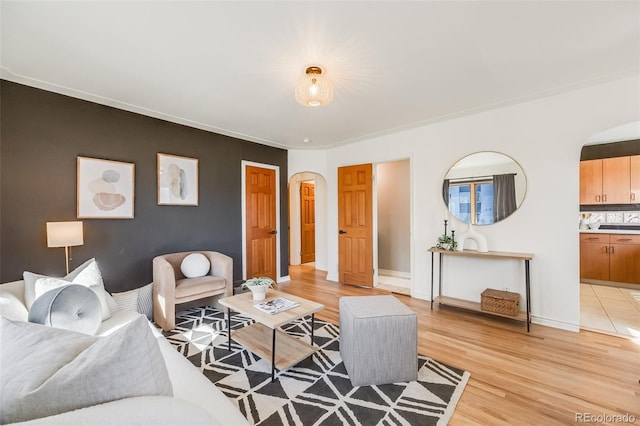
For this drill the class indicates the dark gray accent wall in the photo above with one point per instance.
(42, 134)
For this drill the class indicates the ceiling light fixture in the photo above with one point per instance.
(313, 88)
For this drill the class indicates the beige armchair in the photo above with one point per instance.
(171, 288)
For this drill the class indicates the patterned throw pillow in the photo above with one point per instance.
(138, 299)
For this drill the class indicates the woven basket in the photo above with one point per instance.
(500, 302)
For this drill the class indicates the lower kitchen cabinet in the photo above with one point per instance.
(610, 257)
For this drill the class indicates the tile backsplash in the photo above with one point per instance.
(617, 218)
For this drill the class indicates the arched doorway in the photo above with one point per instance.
(308, 220)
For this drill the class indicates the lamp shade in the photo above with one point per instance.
(314, 88)
(64, 234)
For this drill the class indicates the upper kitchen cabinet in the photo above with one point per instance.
(606, 181)
(591, 182)
(635, 178)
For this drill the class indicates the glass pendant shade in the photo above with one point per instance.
(314, 89)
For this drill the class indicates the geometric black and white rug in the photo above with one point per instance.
(317, 391)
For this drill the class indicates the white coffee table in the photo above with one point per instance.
(260, 337)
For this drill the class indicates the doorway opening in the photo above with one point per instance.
(308, 220)
(393, 211)
(610, 232)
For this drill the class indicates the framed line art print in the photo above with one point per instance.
(105, 189)
(177, 180)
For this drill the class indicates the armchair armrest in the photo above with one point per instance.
(222, 266)
(164, 278)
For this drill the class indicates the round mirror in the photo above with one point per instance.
(484, 188)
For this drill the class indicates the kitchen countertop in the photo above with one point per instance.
(611, 231)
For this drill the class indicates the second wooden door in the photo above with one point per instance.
(355, 225)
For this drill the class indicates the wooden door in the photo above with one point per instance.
(355, 237)
(624, 258)
(635, 178)
(307, 222)
(616, 180)
(261, 227)
(591, 182)
(594, 256)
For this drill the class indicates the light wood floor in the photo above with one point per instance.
(543, 377)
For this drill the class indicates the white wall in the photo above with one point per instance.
(545, 136)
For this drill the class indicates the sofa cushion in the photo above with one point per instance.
(71, 307)
(11, 307)
(140, 410)
(47, 371)
(189, 286)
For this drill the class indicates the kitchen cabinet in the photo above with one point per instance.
(635, 178)
(624, 258)
(605, 181)
(610, 257)
(594, 256)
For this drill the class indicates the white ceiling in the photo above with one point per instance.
(230, 67)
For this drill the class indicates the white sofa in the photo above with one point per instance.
(195, 399)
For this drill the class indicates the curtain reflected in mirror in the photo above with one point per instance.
(484, 188)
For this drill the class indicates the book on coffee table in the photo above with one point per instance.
(277, 305)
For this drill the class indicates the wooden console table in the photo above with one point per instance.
(474, 306)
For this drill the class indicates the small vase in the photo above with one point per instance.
(259, 292)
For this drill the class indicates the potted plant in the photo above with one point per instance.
(258, 286)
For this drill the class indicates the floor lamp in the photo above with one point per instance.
(65, 234)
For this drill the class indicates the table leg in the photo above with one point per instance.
(432, 254)
(229, 327)
(439, 274)
(273, 356)
(527, 278)
(313, 316)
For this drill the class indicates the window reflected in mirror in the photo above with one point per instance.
(484, 188)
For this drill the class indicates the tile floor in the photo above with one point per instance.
(395, 284)
(610, 309)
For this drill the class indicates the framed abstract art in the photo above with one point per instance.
(177, 180)
(105, 189)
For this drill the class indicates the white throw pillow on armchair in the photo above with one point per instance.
(195, 265)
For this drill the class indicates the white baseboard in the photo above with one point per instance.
(421, 296)
(284, 279)
(391, 273)
(332, 276)
(534, 319)
(555, 324)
